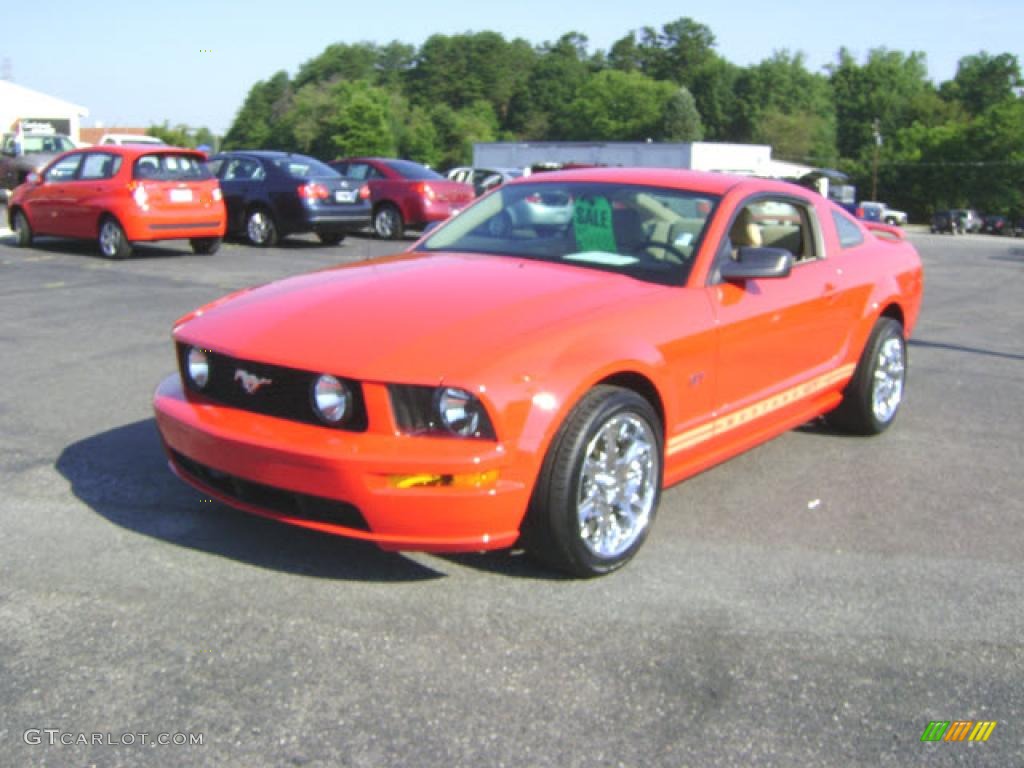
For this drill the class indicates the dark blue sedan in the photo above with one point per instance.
(270, 195)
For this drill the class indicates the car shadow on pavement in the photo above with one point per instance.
(123, 476)
(89, 248)
(960, 348)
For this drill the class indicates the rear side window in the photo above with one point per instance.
(848, 232)
(299, 167)
(99, 165)
(360, 171)
(170, 167)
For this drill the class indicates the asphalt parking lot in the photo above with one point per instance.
(816, 601)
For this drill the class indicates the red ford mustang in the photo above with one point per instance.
(522, 382)
(119, 195)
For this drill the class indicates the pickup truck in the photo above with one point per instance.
(869, 210)
(35, 152)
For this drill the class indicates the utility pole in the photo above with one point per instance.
(877, 131)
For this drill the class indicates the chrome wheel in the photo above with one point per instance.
(112, 242)
(387, 223)
(259, 228)
(618, 485)
(887, 387)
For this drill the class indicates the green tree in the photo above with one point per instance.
(356, 61)
(540, 106)
(258, 123)
(983, 81)
(341, 118)
(783, 104)
(628, 106)
(680, 118)
(887, 88)
(183, 136)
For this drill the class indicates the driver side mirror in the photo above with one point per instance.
(753, 263)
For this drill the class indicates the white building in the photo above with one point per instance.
(745, 159)
(20, 103)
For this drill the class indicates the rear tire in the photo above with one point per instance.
(260, 228)
(599, 487)
(874, 394)
(22, 230)
(205, 246)
(387, 222)
(113, 242)
(331, 238)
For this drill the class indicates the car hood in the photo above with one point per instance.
(411, 318)
(34, 160)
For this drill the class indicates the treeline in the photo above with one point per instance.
(930, 146)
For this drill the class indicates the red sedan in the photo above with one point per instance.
(500, 384)
(120, 195)
(405, 194)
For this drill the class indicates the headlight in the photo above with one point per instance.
(198, 366)
(331, 399)
(441, 411)
(459, 411)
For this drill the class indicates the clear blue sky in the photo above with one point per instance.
(137, 63)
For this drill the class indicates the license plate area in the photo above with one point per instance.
(345, 196)
(181, 195)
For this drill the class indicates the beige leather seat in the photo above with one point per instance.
(745, 231)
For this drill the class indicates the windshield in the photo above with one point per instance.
(649, 233)
(32, 144)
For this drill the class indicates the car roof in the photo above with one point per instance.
(132, 151)
(264, 153)
(710, 182)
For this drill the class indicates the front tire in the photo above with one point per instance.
(387, 222)
(113, 242)
(260, 228)
(205, 246)
(600, 485)
(875, 392)
(22, 230)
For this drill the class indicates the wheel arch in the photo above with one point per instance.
(641, 385)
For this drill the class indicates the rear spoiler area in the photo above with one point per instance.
(885, 231)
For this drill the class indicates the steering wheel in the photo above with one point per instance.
(672, 248)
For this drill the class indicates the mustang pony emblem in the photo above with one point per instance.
(250, 381)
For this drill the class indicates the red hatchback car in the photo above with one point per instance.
(120, 195)
(404, 193)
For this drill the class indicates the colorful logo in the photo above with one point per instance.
(958, 730)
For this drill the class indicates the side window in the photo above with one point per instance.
(242, 169)
(99, 165)
(785, 224)
(849, 233)
(64, 170)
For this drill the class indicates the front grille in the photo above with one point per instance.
(299, 505)
(284, 392)
(413, 406)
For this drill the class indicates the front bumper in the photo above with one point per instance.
(282, 469)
